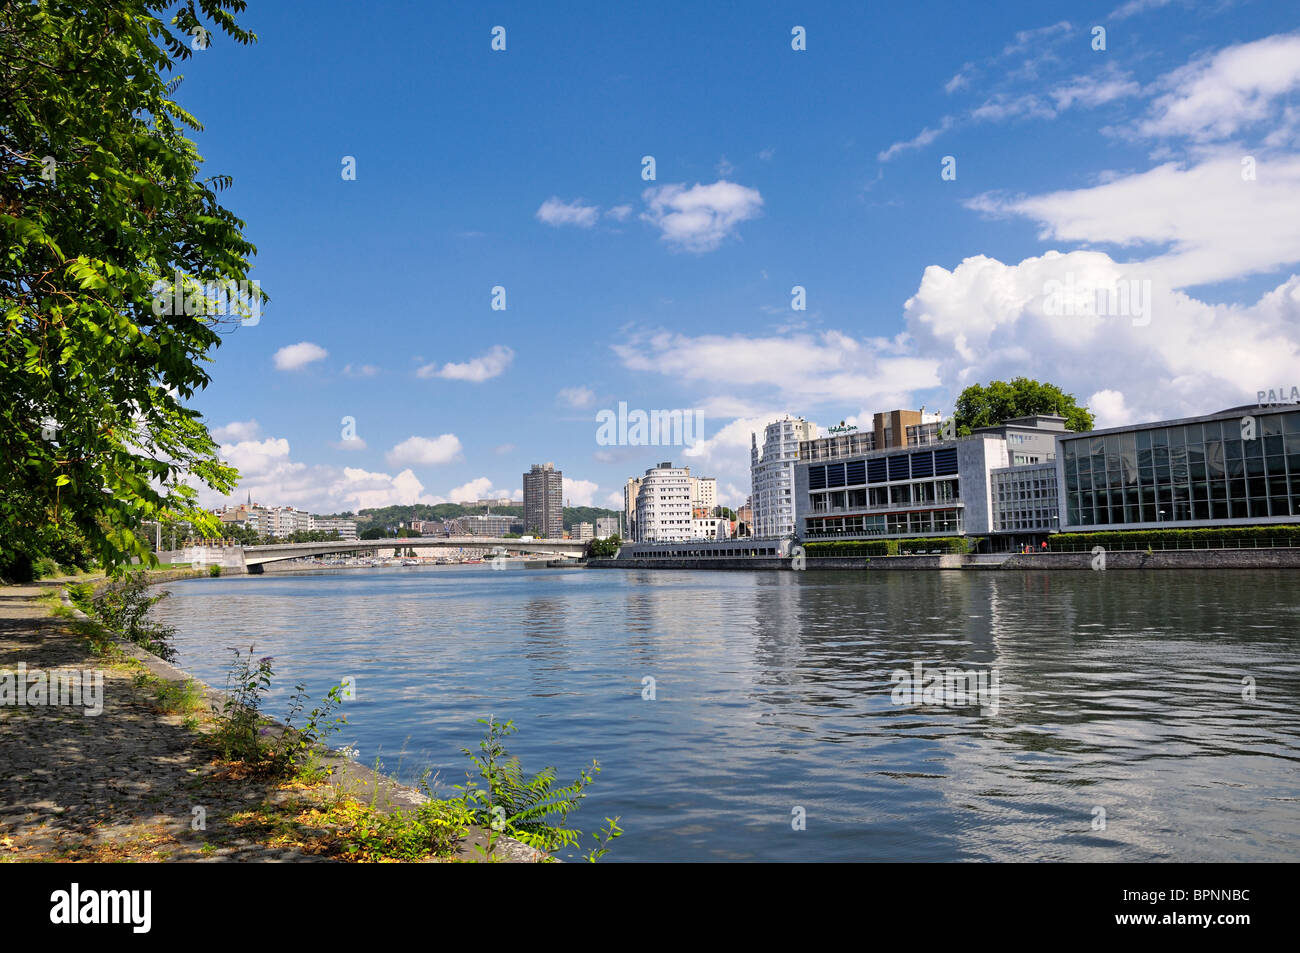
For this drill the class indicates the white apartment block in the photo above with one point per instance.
(715, 527)
(347, 529)
(631, 489)
(704, 491)
(663, 505)
(582, 531)
(772, 475)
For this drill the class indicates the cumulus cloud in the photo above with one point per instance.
(987, 320)
(360, 370)
(269, 474)
(699, 218)
(295, 356)
(492, 364)
(579, 492)
(426, 451)
(619, 212)
(479, 488)
(554, 211)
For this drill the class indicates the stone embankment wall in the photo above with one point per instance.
(1162, 559)
(1159, 559)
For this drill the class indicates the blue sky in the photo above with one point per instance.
(774, 168)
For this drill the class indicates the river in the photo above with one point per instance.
(1138, 715)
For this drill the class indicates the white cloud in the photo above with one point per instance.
(1109, 409)
(960, 80)
(1033, 38)
(557, 212)
(477, 370)
(271, 477)
(1216, 96)
(426, 451)
(1216, 225)
(577, 396)
(1002, 106)
(236, 431)
(986, 320)
(479, 488)
(919, 141)
(1092, 91)
(1136, 6)
(619, 212)
(295, 356)
(360, 370)
(579, 492)
(352, 445)
(698, 219)
(806, 369)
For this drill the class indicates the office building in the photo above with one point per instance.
(544, 501)
(582, 531)
(1238, 467)
(488, 524)
(606, 526)
(933, 487)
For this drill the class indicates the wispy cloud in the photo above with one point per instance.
(555, 211)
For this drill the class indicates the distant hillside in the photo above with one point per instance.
(392, 515)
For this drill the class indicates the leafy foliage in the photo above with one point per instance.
(123, 606)
(606, 548)
(532, 809)
(101, 200)
(980, 406)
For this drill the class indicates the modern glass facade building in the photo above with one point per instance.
(1238, 466)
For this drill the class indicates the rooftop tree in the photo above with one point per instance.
(102, 204)
(980, 406)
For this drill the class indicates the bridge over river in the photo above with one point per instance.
(252, 558)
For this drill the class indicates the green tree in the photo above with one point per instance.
(101, 205)
(980, 406)
(606, 548)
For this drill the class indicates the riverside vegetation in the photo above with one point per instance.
(499, 797)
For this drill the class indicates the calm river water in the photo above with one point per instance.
(1118, 692)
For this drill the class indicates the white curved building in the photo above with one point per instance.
(772, 474)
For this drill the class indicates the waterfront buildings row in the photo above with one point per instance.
(1027, 478)
(668, 504)
(282, 521)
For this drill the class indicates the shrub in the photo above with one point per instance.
(214, 570)
(241, 734)
(123, 607)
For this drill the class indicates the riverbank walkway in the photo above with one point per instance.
(135, 783)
